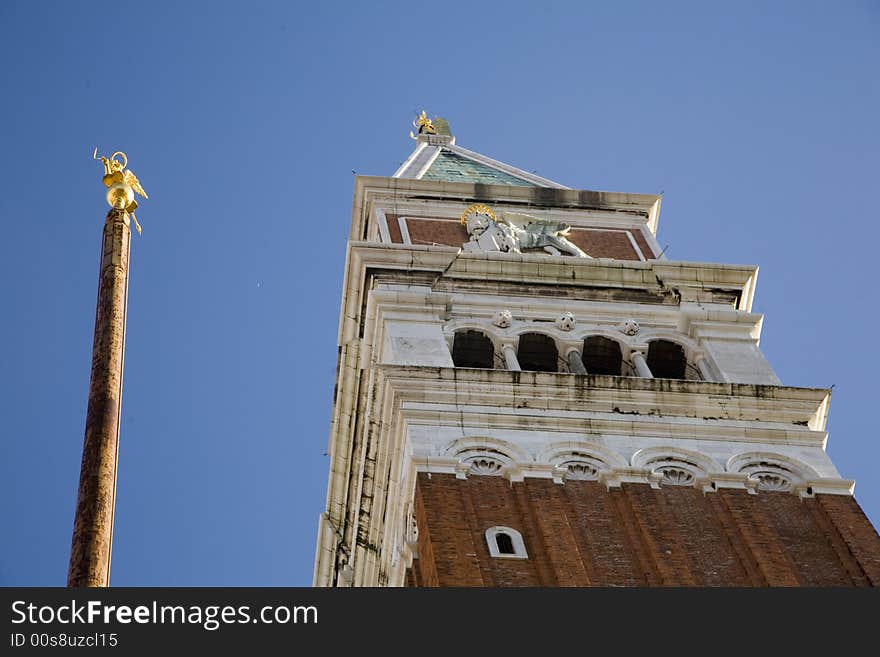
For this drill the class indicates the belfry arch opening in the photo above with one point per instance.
(537, 353)
(473, 349)
(602, 355)
(666, 359)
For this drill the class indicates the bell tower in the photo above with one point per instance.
(529, 393)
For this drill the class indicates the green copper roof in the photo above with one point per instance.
(455, 168)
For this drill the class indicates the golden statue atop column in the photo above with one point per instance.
(121, 184)
(91, 545)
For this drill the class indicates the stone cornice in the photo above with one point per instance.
(555, 399)
(669, 428)
(615, 477)
(369, 188)
(691, 281)
(557, 270)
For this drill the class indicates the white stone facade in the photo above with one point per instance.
(403, 407)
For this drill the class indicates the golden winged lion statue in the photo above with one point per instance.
(423, 125)
(121, 183)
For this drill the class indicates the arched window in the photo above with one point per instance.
(666, 359)
(472, 349)
(505, 543)
(537, 352)
(602, 355)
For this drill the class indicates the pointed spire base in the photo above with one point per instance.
(435, 140)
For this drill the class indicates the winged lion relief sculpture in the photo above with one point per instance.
(513, 232)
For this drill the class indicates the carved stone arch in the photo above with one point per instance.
(473, 348)
(625, 342)
(547, 328)
(804, 471)
(493, 333)
(670, 356)
(771, 471)
(538, 349)
(576, 335)
(486, 456)
(556, 452)
(690, 346)
(498, 336)
(514, 452)
(581, 465)
(679, 467)
(602, 354)
(703, 461)
(452, 327)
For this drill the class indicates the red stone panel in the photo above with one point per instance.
(450, 232)
(394, 228)
(604, 243)
(426, 232)
(647, 251)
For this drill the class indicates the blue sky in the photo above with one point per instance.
(244, 123)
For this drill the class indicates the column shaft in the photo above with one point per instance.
(575, 362)
(510, 358)
(93, 524)
(638, 361)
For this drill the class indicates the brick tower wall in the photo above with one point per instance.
(582, 534)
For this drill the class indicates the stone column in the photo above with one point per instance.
(703, 366)
(575, 361)
(638, 361)
(510, 358)
(96, 501)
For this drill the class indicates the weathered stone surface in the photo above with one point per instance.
(678, 458)
(93, 525)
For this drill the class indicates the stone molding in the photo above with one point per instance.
(412, 194)
(656, 474)
(706, 409)
(656, 276)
